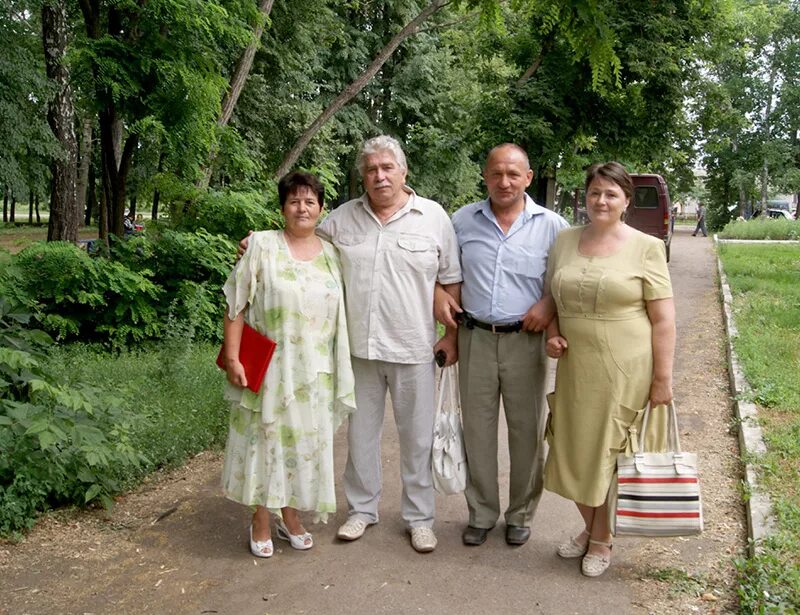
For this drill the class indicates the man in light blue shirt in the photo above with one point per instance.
(503, 242)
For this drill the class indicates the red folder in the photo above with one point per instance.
(255, 353)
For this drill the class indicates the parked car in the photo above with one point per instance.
(779, 214)
(651, 209)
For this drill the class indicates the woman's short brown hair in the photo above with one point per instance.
(292, 182)
(611, 171)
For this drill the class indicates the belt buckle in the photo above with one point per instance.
(494, 327)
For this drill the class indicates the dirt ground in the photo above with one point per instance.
(176, 546)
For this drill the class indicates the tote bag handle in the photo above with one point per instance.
(673, 440)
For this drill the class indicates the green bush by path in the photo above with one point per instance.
(59, 444)
(174, 389)
(767, 228)
(765, 284)
(190, 268)
(101, 421)
(90, 298)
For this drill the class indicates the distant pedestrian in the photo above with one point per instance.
(701, 221)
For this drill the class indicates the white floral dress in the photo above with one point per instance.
(280, 442)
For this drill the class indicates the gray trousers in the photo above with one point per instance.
(412, 392)
(511, 365)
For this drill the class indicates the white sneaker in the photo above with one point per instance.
(423, 539)
(352, 529)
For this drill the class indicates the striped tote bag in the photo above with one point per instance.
(657, 494)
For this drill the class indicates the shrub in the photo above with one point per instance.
(174, 388)
(232, 213)
(191, 268)
(94, 298)
(59, 444)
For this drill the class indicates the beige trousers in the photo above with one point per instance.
(511, 366)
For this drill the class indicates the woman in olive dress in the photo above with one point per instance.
(614, 337)
(279, 454)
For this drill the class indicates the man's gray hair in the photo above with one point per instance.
(381, 143)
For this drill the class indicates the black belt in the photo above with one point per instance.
(470, 323)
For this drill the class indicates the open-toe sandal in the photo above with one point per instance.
(301, 542)
(572, 548)
(594, 565)
(260, 548)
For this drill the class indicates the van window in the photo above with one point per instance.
(645, 197)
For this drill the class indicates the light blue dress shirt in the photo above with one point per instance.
(504, 274)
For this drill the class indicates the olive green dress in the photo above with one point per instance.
(603, 379)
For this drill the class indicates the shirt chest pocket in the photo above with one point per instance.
(528, 263)
(352, 249)
(415, 253)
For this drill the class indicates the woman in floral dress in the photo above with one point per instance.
(279, 454)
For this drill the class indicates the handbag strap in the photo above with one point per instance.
(673, 440)
(448, 385)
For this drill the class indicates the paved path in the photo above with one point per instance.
(194, 558)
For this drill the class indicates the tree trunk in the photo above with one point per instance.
(238, 79)
(36, 207)
(356, 86)
(63, 223)
(156, 193)
(132, 208)
(91, 196)
(767, 137)
(537, 62)
(30, 208)
(115, 169)
(102, 210)
(13, 213)
(83, 169)
(5, 204)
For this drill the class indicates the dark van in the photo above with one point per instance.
(651, 209)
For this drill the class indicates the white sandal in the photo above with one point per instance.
(297, 541)
(572, 548)
(594, 565)
(260, 548)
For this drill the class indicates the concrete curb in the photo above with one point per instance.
(760, 522)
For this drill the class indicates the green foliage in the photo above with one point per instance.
(78, 424)
(767, 584)
(189, 268)
(93, 298)
(765, 280)
(765, 284)
(59, 444)
(765, 228)
(27, 142)
(233, 214)
(174, 389)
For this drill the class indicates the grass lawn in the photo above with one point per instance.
(767, 228)
(16, 237)
(765, 284)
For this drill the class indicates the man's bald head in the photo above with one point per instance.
(508, 147)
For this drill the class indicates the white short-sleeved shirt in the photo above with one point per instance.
(389, 272)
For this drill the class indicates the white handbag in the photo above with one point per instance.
(657, 494)
(448, 461)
